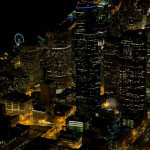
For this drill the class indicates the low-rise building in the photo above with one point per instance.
(17, 104)
(71, 139)
(77, 123)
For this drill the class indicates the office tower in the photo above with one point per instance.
(8, 83)
(30, 63)
(23, 80)
(148, 62)
(48, 93)
(132, 66)
(104, 16)
(87, 59)
(110, 63)
(59, 58)
(133, 15)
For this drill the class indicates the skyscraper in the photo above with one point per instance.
(132, 66)
(148, 62)
(87, 59)
(30, 63)
(110, 66)
(59, 58)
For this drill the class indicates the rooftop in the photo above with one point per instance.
(66, 92)
(78, 118)
(70, 135)
(61, 108)
(37, 108)
(16, 97)
(100, 122)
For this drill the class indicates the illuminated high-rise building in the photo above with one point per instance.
(132, 66)
(87, 59)
(110, 62)
(133, 15)
(8, 83)
(59, 58)
(30, 63)
(148, 62)
(104, 16)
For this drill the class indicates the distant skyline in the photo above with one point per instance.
(31, 19)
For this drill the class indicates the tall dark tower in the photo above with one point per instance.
(132, 86)
(87, 59)
(148, 62)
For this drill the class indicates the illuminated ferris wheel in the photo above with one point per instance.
(19, 39)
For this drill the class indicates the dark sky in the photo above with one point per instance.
(31, 19)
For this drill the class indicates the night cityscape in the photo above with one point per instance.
(75, 75)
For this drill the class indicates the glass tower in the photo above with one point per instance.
(132, 64)
(87, 59)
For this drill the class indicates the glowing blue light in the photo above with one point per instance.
(17, 37)
(71, 19)
(88, 7)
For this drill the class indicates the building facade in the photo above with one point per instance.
(58, 59)
(87, 59)
(17, 104)
(30, 63)
(110, 62)
(48, 93)
(132, 69)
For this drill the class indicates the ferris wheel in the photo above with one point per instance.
(19, 39)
